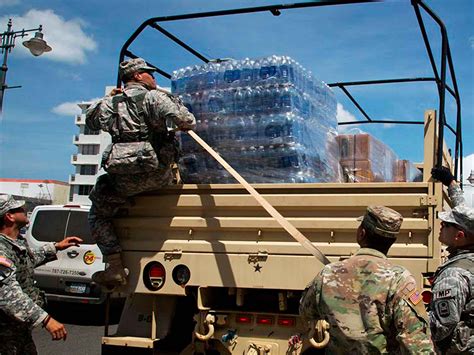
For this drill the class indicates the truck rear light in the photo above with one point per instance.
(427, 296)
(181, 275)
(243, 318)
(286, 321)
(154, 275)
(265, 320)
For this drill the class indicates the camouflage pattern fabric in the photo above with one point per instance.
(456, 195)
(21, 301)
(112, 191)
(452, 307)
(373, 306)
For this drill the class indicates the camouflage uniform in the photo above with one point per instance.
(372, 306)
(21, 301)
(452, 306)
(113, 190)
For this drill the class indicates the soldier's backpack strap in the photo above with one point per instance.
(138, 101)
(116, 128)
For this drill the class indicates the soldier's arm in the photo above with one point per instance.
(44, 254)
(309, 302)
(456, 194)
(450, 293)
(13, 301)
(161, 108)
(98, 113)
(410, 318)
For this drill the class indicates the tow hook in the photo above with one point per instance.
(209, 322)
(320, 330)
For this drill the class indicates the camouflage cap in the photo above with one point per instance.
(133, 65)
(461, 215)
(7, 203)
(382, 221)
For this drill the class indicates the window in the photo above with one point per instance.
(90, 132)
(79, 225)
(49, 226)
(54, 225)
(85, 189)
(90, 149)
(71, 193)
(88, 169)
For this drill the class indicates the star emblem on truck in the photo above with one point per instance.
(257, 268)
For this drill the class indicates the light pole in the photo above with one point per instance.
(37, 46)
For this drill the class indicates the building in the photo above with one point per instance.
(36, 192)
(90, 146)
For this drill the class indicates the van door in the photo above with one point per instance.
(78, 264)
(48, 225)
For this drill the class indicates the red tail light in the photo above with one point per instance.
(265, 320)
(287, 321)
(154, 276)
(243, 318)
(427, 296)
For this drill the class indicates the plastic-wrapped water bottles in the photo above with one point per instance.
(269, 117)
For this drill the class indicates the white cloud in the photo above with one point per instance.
(67, 109)
(343, 115)
(67, 38)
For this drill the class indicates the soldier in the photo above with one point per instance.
(452, 306)
(140, 158)
(21, 301)
(371, 305)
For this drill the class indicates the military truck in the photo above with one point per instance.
(212, 273)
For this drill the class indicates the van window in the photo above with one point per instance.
(79, 226)
(49, 226)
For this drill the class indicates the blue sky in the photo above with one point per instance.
(337, 43)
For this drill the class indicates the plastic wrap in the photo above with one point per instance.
(269, 118)
(406, 171)
(366, 159)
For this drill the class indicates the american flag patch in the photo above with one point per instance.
(5, 261)
(415, 298)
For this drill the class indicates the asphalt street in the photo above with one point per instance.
(85, 327)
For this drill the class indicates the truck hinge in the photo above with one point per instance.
(174, 254)
(257, 257)
(428, 201)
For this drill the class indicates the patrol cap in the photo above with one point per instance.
(461, 215)
(130, 66)
(382, 221)
(7, 203)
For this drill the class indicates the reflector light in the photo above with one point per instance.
(286, 322)
(427, 296)
(72, 206)
(265, 320)
(157, 270)
(243, 318)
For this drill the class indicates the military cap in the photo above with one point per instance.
(130, 66)
(7, 203)
(461, 215)
(382, 221)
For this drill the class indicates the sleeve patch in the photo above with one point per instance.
(443, 309)
(410, 288)
(5, 261)
(415, 297)
(444, 293)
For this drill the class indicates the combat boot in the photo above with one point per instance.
(114, 275)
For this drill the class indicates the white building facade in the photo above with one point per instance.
(44, 192)
(90, 146)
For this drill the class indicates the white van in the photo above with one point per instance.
(69, 278)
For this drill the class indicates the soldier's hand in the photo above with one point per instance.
(56, 329)
(442, 174)
(68, 242)
(115, 91)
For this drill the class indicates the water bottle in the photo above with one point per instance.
(228, 73)
(228, 101)
(215, 103)
(239, 101)
(267, 95)
(256, 100)
(246, 74)
(256, 71)
(247, 103)
(265, 68)
(283, 70)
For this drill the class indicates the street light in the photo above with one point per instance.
(36, 45)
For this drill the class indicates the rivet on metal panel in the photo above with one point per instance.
(190, 231)
(410, 237)
(259, 233)
(333, 237)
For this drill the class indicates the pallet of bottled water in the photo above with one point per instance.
(268, 117)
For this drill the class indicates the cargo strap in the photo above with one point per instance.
(295, 233)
